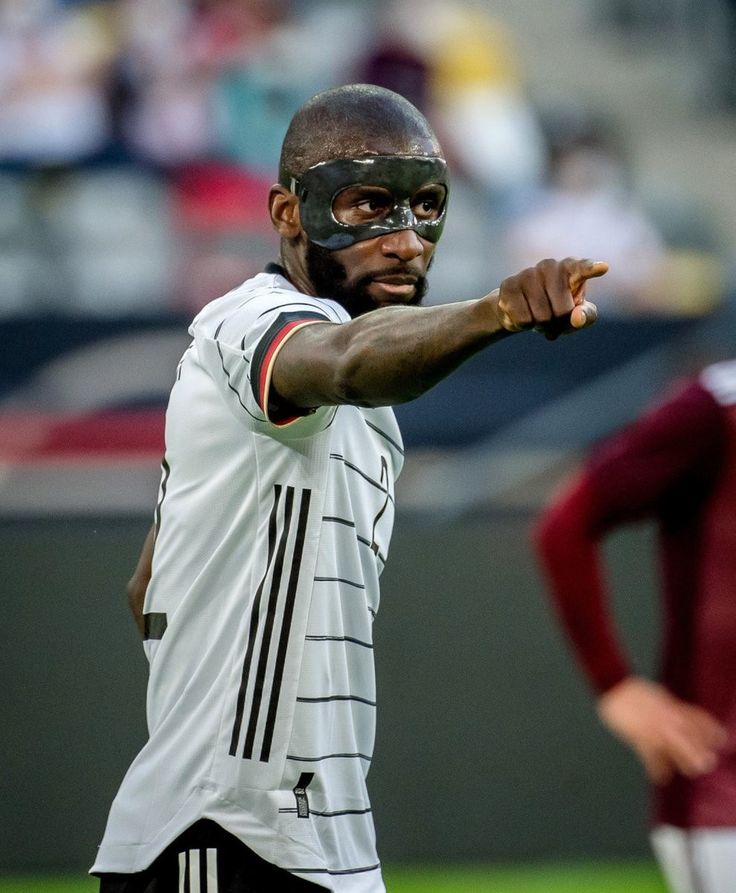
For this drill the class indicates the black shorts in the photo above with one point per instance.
(207, 859)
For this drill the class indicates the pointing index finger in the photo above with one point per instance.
(581, 271)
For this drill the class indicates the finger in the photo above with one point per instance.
(579, 271)
(583, 315)
(690, 755)
(711, 732)
(659, 770)
(538, 301)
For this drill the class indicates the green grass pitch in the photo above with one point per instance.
(576, 878)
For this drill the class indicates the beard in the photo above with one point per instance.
(329, 278)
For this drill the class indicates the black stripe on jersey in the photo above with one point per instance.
(278, 675)
(339, 580)
(273, 597)
(181, 361)
(329, 756)
(298, 313)
(349, 639)
(154, 625)
(245, 676)
(337, 812)
(334, 871)
(264, 345)
(346, 521)
(363, 474)
(328, 815)
(399, 449)
(230, 384)
(373, 547)
(384, 471)
(327, 698)
(164, 482)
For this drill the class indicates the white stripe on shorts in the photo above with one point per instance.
(195, 882)
(211, 871)
(696, 860)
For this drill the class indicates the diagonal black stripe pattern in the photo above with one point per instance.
(379, 431)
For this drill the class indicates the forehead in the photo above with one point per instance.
(400, 174)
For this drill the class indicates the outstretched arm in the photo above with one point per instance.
(395, 354)
(138, 583)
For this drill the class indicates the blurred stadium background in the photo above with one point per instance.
(138, 139)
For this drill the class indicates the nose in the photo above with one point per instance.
(403, 244)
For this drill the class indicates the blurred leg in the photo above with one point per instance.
(702, 860)
(672, 849)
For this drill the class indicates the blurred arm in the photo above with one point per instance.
(632, 477)
(138, 583)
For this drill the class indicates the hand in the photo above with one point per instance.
(549, 297)
(667, 734)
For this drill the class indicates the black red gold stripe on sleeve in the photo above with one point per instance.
(268, 347)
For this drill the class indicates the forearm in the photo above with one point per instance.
(570, 555)
(388, 356)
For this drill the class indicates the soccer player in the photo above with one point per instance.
(675, 465)
(275, 511)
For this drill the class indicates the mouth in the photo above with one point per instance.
(397, 287)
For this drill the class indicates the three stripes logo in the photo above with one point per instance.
(269, 627)
(198, 871)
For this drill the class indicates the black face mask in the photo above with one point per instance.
(402, 175)
(328, 276)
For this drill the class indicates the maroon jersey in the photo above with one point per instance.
(677, 466)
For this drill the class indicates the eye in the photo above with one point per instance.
(361, 204)
(428, 202)
(371, 205)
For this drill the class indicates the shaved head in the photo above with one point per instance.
(353, 121)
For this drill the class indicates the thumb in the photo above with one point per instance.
(582, 315)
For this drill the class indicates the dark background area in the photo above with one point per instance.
(487, 747)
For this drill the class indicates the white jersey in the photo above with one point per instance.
(271, 539)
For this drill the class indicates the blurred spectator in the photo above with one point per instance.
(55, 61)
(222, 231)
(589, 209)
(298, 54)
(476, 99)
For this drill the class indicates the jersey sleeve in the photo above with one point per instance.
(664, 460)
(239, 351)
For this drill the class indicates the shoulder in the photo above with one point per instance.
(264, 295)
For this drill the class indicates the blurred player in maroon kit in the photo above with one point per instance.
(676, 465)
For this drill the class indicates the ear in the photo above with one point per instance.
(284, 209)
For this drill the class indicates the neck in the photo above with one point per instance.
(295, 273)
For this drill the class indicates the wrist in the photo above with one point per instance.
(491, 317)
